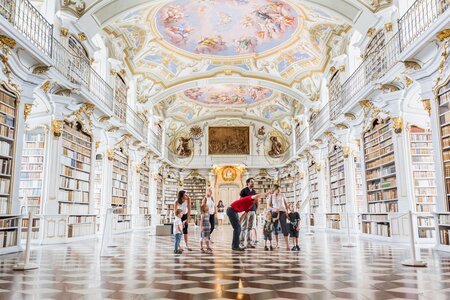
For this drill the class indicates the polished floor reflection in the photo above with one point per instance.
(144, 267)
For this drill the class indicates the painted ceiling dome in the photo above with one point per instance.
(227, 27)
(228, 94)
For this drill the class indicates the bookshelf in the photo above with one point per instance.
(196, 188)
(73, 193)
(313, 177)
(298, 191)
(337, 180)
(31, 171)
(263, 184)
(120, 189)
(444, 123)
(287, 188)
(35, 228)
(424, 178)
(333, 221)
(159, 193)
(170, 195)
(144, 183)
(8, 112)
(81, 225)
(381, 181)
(98, 184)
(120, 97)
(10, 226)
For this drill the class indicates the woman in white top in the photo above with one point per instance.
(184, 203)
(278, 205)
(209, 201)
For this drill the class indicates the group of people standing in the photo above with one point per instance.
(276, 217)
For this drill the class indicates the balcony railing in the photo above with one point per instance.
(24, 17)
(155, 140)
(417, 19)
(319, 121)
(138, 124)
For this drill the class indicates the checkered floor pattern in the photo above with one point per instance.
(144, 267)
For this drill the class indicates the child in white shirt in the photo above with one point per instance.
(178, 230)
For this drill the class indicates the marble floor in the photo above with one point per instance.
(144, 267)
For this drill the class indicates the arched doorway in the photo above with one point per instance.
(228, 193)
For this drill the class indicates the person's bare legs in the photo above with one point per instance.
(186, 240)
(276, 241)
(286, 240)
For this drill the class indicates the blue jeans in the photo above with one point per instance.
(236, 224)
(177, 241)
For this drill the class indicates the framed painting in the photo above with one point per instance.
(229, 140)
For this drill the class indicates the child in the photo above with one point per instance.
(294, 226)
(268, 228)
(205, 229)
(178, 230)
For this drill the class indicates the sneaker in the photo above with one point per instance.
(238, 249)
(271, 248)
(294, 248)
(298, 248)
(251, 246)
(266, 248)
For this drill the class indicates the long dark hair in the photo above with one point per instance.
(220, 204)
(180, 196)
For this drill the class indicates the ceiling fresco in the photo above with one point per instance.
(228, 94)
(227, 27)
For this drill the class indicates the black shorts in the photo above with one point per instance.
(268, 236)
(293, 232)
(185, 225)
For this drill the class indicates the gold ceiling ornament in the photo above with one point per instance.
(410, 64)
(136, 143)
(228, 72)
(196, 132)
(57, 128)
(180, 182)
(110, 154)
(46, 86)
(112, 72)
(443, 35)
(350, 116)
(315, 96)
(371, 32)
(318, 167)
(341, 126)
(104, 119)
(138, 168)
(113, 129)
(83, 114)
(346, 151)
(342, 68)
(64, 32)
(7, 41)
(39, 70)
(76, 6)
(444, 55)
(122, 72)
(388, 27)
(82, 36)
(408, 81)
(397, 124)
(332, 69)
(97, 145)
(427, 105)
(388, 87)
(27, 110)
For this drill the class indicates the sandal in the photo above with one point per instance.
(203, 250)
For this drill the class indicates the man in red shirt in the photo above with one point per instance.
(245, 205)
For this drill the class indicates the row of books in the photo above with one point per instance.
(426, 233)
(379, 153)
(9, 222)
(444, 234)
(80, 175)
(76, 147)
(119, 185)
(376, 229)
(4, 205)
(35, 223)
(7, 99)
(34, 196)
(76, 155)
(77, 136)
(73, 209)
(423, 174)
(81, 219)
(74, 184)
(5, 166)
(30, 184)
(73, 196)
(38, 138)
(119, 192)
(7, 120)
(75, 164)
(422, 151)
(375, 218)
(424, 207)
(8, 238)
(7, 110)
(417, 145)
(77, 230)
(376, 174)
(118, 176)
(30, 175)
(5, 148)
(33, 152)
(390, 182)
(5, 185)
(387, 195)
(444, 219)
(118, 200)
(381, 161)
(422, 159)
(382, 207)
(7, 131)
(425, 222)
(445, 130)
(376, 147)
(33, 160)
